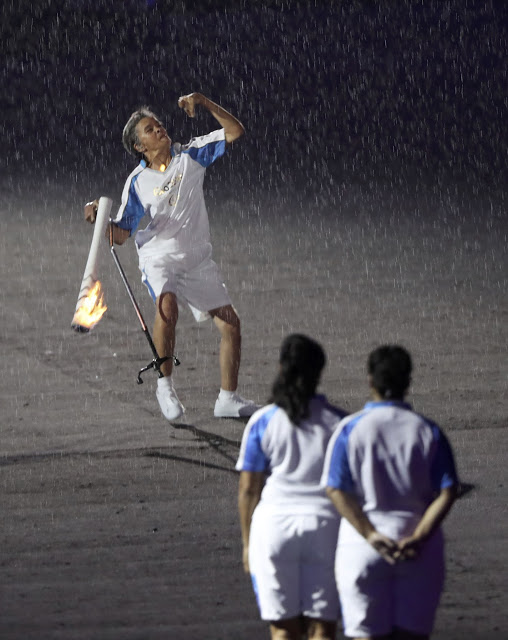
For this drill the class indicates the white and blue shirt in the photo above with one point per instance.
(292, 456)
(173, 198)
(394, 460)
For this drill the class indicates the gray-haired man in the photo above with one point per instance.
(174, 248)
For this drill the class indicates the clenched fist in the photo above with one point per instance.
(91, 211)
(188, 103)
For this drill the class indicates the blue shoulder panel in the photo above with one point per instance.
(339, 474)
(207, 154)
(255, 458)
(133, 211)
(443, 472)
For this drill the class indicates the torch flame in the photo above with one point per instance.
(91, 309)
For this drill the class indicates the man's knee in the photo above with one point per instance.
(227, 320)
(167, 307)
(234, 326)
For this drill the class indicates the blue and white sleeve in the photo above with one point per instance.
(206, 149)
(336, 471)
(131, 210)
(443, 470)
(252, 455)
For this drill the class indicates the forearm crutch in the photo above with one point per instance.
(157, 361)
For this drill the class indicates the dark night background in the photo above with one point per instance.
(329, 92)
(366, 204)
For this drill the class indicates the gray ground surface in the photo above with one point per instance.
(116, 524)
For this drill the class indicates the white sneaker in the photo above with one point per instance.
(234, 406)
(169, 403)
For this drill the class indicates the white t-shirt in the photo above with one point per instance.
(292, 456)
(394, 460)
(173, 199)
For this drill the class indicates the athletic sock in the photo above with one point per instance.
(226, 395)
(166, 381)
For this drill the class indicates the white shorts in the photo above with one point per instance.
(376, 597)
(291, 559)
(193, 276)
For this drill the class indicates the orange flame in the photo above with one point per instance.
(92, 308)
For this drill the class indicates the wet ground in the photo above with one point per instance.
(118, 525)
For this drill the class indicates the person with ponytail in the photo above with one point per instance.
(289, 526)
(391, 475)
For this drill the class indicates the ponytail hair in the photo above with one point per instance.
(301, 363)
(390, 369)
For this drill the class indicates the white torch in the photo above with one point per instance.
(90, 307)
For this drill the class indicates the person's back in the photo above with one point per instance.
(293, 455)
(394, 456)
(391, 475)
(289, 526)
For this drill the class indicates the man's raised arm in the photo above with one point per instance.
(233, 128)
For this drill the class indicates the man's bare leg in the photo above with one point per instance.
(228, 323)
(166, 317)
(229, 404)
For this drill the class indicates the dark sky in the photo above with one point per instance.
(325, 89)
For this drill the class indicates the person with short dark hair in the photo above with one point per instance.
(391, 475)
(289, 527)
(175, 254)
